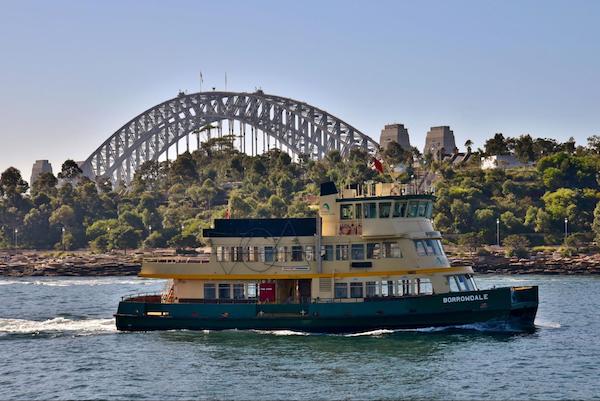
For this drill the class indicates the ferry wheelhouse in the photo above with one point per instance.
(370, 260)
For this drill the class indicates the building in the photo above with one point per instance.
(501, 161)
(394, 133)
(39, 167)
(439, 141)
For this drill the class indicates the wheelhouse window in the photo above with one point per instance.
(238, 291)
(341, 290)
(399, 209)
(384, 210)
(413, 207)
(429, 211)
(373, 250)
(370, 209)
(358, 251)
(420, 246)
(297, 254)
(358, 211)
(391, 249)
(210, 291)
(224, 291)
(347, 212)
(220, 251)
(327, 252)
(356, 290)
(341, 252)
(238, 253)
(422, 210)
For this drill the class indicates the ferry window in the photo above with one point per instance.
(229, 254)
(370, 210)
(238, 291)
(373, 250)
(371, 288)
(453, 284)
(226, 254)
(399, 209)
(384, 210)
(251, 290)
(341, 290)
(391, 250)
(437, 246)
(297, 253)
(253, 254)
(420, 246)
(358, 211)
(412, 209)
(238, 253)
(403, 287)
(463, 283)
(429, 247)
(472, 281)
(224, 291)
(309, 252)
(346, 212)
(341, 252)
(281, 253)
(327, 252)
(429, 211)
(422, 209)
(209, 291)
(358, 251)
(220, 253)
(269, 253)
(425, 287)
(356, 290)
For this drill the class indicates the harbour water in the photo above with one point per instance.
(58, 341)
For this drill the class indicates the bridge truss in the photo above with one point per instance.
(292, 126)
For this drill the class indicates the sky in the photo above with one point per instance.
(73, 72)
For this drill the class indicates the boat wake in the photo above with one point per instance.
(68, 282)
(56, 325)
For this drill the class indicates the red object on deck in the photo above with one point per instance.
(266, 292)
(378, 165)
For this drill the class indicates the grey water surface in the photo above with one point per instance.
(58, 341)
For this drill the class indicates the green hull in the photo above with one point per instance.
(509, 308)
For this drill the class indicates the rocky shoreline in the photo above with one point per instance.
(82, 263)
(540, 263)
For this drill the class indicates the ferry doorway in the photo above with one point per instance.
(293, 291)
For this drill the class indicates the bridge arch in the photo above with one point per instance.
(298, 127)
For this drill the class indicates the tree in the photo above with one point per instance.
(472, 241)
(496, 145)
(70, 170)
(596, 223)
(524, 149)
(468, 145)
(516, 245)
(12, 183)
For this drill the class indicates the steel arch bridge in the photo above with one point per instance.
(299, 128)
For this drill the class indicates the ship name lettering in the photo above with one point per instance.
(465, 298)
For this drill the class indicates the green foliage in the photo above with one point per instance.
(516, 245)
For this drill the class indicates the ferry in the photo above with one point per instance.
(370, 260)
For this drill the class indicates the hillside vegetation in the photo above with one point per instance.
(168, 203)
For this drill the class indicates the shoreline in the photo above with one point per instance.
(31, 263)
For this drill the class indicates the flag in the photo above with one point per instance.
(378, 165)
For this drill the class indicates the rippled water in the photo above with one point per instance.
(58, 341)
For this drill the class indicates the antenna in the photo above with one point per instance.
(201, 80)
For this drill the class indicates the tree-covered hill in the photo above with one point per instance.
(168, 203)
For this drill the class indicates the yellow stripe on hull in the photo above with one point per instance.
(460, 269)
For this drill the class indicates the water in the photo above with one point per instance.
(58, 341)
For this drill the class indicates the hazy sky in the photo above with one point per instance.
(73, 72)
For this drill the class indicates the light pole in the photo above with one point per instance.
(63, 238)
(566, 229)
(16, 237)
(149, 229)
(498, 232)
